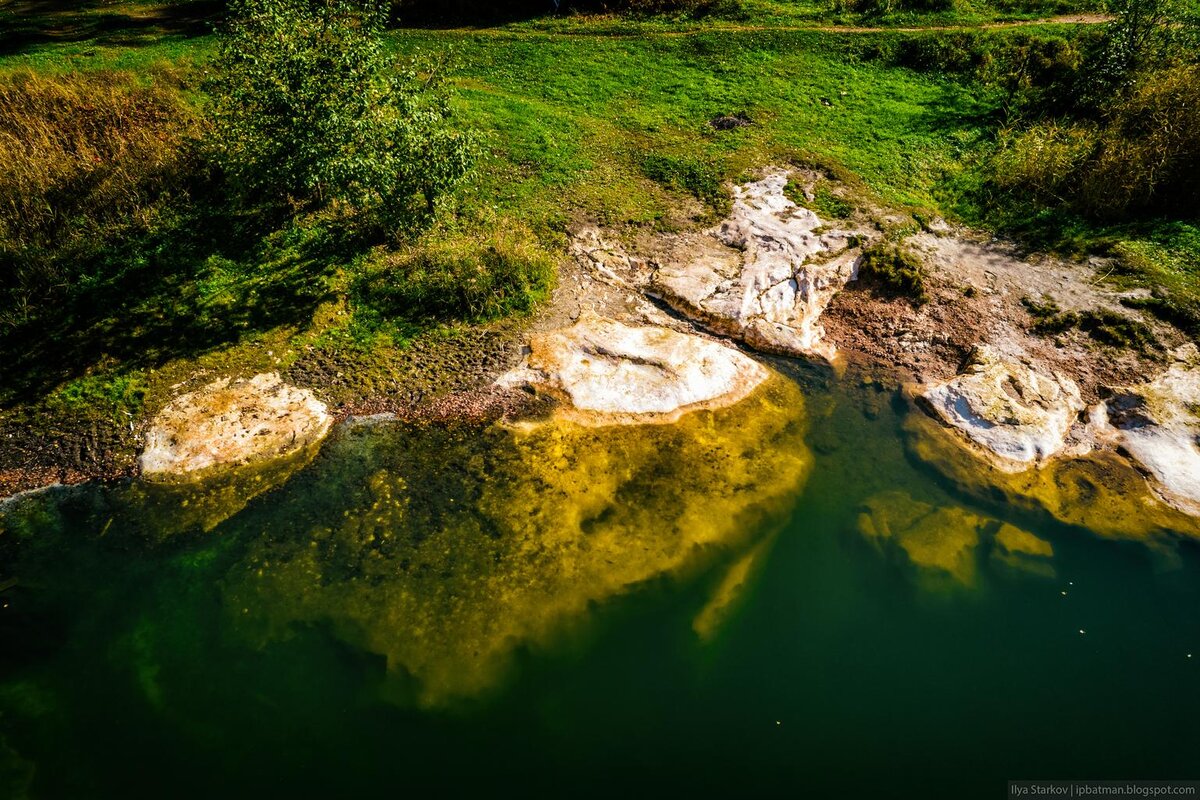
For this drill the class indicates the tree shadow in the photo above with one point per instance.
(27, 24)
(189, 289)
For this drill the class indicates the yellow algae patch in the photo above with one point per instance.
(1013, 541)
(448, 563)
(1022, 550)
(730, 590)
(1101, 491)
(165, 509)
(939, 541)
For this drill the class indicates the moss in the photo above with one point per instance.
(896, 270)
(1102, 324)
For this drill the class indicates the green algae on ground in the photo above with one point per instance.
(448, 567)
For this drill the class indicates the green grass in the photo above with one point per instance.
(600, 119)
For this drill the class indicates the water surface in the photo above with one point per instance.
(566, 611)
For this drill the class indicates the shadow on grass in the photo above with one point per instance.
(27, 24)
(187, 290)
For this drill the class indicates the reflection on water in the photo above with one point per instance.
(657, 609)
(1100, 492)
(445, 557)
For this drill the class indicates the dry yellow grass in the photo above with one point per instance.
(85, 155)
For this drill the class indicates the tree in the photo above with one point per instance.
(309, 106)
(1144, 35)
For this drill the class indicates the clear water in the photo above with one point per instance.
(427, 609)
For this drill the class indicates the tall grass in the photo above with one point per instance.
(87, 157)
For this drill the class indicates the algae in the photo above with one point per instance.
(1100, 491)
(452, 551)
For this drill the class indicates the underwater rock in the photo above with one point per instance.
(232, 423)
(1016, 416)
(1157, 425)
(939, 541)
(1100, 491)
(1022, 550)
(765, 274)
(607, 372)
(450, 552)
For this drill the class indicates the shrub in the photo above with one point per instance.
(309, 106)
(1149, 153)
(1043, 160)
(941, 52)
(461, 276)
(1144, 154)
(87, 157)
(896, 270)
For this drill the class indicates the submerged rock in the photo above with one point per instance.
(1022, 550)
(232, 423)
(1157, 425)
(607, 372)
(1100, 491)
(450, 552)
(1016, 416)
(765, 274)
(942, 542)
(939, 541)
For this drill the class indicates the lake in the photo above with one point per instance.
(719, 607)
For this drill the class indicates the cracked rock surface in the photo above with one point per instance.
(1157, 424)
(765, 274)
(1019, 417)
(608, 372)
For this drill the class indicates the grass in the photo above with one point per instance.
(603, 119)
(1101, 324)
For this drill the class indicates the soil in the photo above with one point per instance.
(975, 284)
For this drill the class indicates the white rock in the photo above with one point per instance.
(1157, 425)
(233, 423)
(608, 372)
(766, 274)
(1019, 416)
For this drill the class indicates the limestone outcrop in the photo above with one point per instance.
(765, 274)
(1016, 416)
(607, 372)
(232, 423)
(1157, 424)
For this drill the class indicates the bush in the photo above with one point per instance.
(1044, 160)
(880, 7)
(87, 157)
(459, 276)
(1144, 154)
(489, 11)
(308, 106)
(1149, 152)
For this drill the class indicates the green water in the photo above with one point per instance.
(442, 610)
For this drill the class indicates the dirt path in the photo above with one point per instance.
(1061, 19)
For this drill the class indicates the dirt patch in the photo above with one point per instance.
(978, 288)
